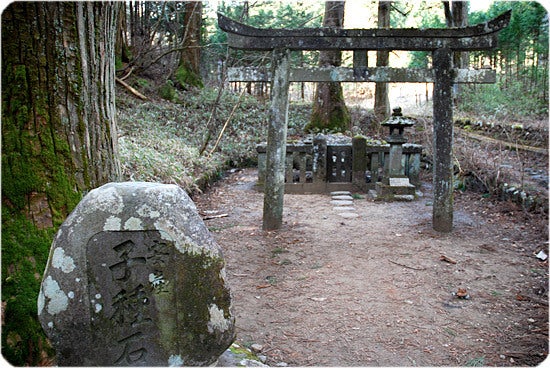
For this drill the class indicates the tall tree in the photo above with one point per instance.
(381, 99)
(329, 108)
(59, 139)
(188, 71)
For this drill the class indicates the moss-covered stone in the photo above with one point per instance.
(135, 259)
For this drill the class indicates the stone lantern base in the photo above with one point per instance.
(396, 189)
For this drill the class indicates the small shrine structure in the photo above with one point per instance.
(442, 42)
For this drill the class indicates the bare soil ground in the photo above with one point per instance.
(372, 290)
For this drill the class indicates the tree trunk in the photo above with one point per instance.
(188, 71)
(58, 96)
(59, 140)
(329, 108)
(122, 53)
(381, 99)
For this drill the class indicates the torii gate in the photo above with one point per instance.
(442, 42)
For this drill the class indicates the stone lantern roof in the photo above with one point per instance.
(397, 122)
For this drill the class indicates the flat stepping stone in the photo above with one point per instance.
(343, 197)
(340, 208)
(339, 193)
(341, 203)
(404, 197)
(348, 215)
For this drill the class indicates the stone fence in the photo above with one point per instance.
(327, 163)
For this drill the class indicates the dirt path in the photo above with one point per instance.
(372, 290)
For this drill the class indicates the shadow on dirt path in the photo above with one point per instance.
(373, 290)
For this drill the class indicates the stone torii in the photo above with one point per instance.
(442, 42)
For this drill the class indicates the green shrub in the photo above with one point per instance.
(168, 91)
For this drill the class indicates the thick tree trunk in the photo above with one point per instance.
(188, 72)
(58, 116)
(381, 99)
(329, 108)
(58, 140)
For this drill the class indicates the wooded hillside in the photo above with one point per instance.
(99, 92)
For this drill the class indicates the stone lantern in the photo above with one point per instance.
(396, 185)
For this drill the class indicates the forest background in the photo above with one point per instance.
(178, 120)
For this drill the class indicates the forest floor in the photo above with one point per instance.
(374, 290)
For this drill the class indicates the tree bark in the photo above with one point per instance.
(58, 90)
(188, 71)
(381, 100)
(329, 108)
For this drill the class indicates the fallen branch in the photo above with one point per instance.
(447, 259)
(215, 216)
(226, 123)
(131, 89)
(516, 146)
(127, 75)
(412, 268)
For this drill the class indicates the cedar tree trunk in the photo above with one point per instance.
(59, 140)
(188, 71)
(381, 99)
(58, 104)
(329, 108)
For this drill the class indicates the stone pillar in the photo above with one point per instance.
(359, 161)
(261, 164)
(395, 167)
(320, 159)
(276, 142)
(443, 141)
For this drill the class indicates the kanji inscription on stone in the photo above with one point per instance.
(129, 267)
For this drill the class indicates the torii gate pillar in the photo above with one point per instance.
(443, 141)
(274, 188)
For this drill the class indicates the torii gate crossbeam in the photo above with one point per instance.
(441, 42)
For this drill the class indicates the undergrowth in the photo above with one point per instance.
(492, 101)
(160, 141)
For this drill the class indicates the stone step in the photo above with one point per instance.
(343, 197)
(348, 215)
(339, 208)
(339, 193)
(341, 203)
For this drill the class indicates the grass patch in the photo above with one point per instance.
(476, 362)
(159, 141)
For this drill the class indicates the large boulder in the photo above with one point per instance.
(135, 278)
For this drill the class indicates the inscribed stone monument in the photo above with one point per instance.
(135, 278)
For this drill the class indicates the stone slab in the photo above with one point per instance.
(348, 215)
(342, 198)
(399, 182)
(341, 203)
(340, 208)
(340, 193)
(404, 197)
